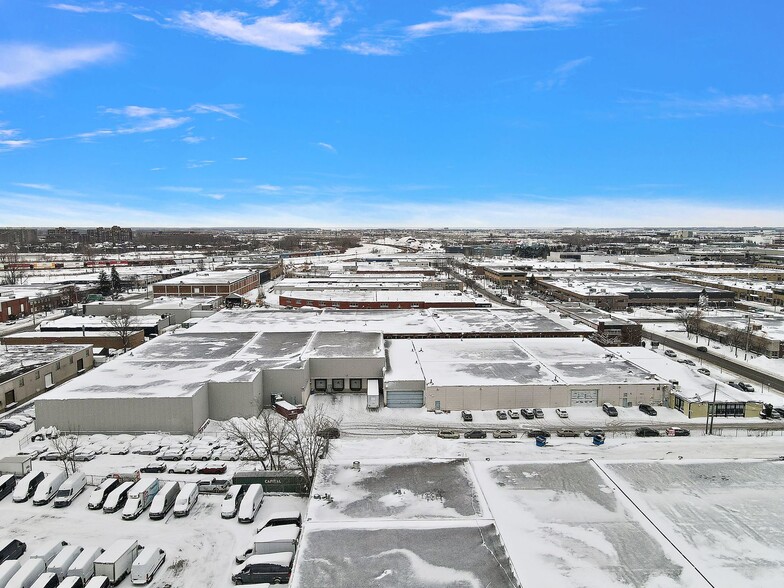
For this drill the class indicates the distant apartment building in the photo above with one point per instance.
(18, 236)
(114, 234)
(64, 235)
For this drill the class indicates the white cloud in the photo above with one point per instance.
(45, 187)
(182, 189)
(561, 74)
(22, 65)
(89, 7)
(277, 33)
(215, 196)
(240, 158)
(136, 111)
(12, 144)
(496, 18)
(380, 47)
(713, 104)
(146, 126)
(268, 188)
(224, 109)
(327, 147)
(193, 140)
(197, 164)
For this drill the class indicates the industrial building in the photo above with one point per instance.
(100, 341)
(28, 370)
(152, 324)
(352, 298)
(179, 310)
(758, 332)
(209, 284)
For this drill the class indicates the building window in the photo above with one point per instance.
(57, 366)
(338, 384)
(70, 359)
(320, 385)
(21, 381)
(38, 375)
(355, 384)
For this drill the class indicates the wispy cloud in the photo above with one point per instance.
(196, 164)
(224, 109)
(378, 47)
(561, 74)
(193, 139)
(146, 126)
(240, 158)
(24, 64)
(268, 188)
(671, 105)
(195, 190)
(89, 7)
(136, 111)
(327, 147)
(506, 17)
(46, 187)
(277, 33)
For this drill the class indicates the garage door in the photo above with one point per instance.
(585, 398)
(405, 399)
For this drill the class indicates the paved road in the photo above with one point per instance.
(740, 368)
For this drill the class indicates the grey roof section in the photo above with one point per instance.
(16, 360)
(349, 345)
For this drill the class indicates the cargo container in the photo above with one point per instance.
(115, 563)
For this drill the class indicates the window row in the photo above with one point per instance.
(338, 384)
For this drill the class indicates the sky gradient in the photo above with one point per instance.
(350, 113)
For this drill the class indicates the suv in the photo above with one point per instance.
(648, 409)
(670, 353)
(539, 413)
(746, 387)
(610, 409)
(702, 349)
(537, 433)
(527, 413)
(448, 434)
(475, 434)
(677, 432)
(562, 413)
(467, 416)
(567, 433)
(646, 432)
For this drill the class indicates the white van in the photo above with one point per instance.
(48, 551)
(99, 582)
(46, 580)
(146, 564)
(48, 488)
(101, 493)
(164, 500)
(251, 504)
(28, 573)
(186, 499)
(8, 570)
(27, 486)
(117, 498)
(82, 567)
(72, 582)
(63, 560)
(70, 489)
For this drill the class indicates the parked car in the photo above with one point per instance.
(609, 409)
(232, 500)
(10, 426)
(593, 432)
(746, 387)
(119, 449)
(702, 349)
(229, 454)
(156, 467)
(704, 371)
(329, 433)
(646, 432)
(148, 450)
(513, 414)
(678, 432)
(467, 416)
(537, 433)
(214, 486)
(475, 434)
(780, 411)
(199, 454)
(183, 467)
(734, 385)
(504, 434)
(527, 413)
(215, 467)
(562, 413)
(174, 453)
(51, 455)
(539, 413)
(84, 455)
(648, 409)
(501, 415)
(448, 434)
(670, 353)
(567, 433)
(5, 433)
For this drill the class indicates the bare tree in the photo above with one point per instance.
(689, 319)
(711, 331)
(734, 338)
(13, 270)
(307, 440)
(66, 447)
(263, 436)
(124, 326)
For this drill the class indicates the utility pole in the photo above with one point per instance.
(748, 336)
(708, 416)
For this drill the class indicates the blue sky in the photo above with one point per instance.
(344, 113)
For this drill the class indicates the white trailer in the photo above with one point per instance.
(115, 563)
(373, 395)
(279, 539)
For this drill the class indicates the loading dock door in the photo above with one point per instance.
(48, 382)
(405, 398)
(585, 398)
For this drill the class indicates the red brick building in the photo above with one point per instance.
(209, 284)
(13, 308)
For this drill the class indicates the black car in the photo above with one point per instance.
(467, 416)
(780, 411)
(609, 409)
(329, 433)
(10, 426)
(702, 349)
(646, 432)
(475, 434)
(274, 568)
(648, 409)
(527, 413)
(12, 549)
(7, 485)
(537, 433)
(156, 467)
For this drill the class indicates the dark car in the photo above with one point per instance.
(155, 467)
(274, 568)
(646, 432)
(475, 434)
(12, 549)
(329, 433)
(467, 416)
(702, 348)
(527, 413)
(780, 411)
(537, 433)
(678, 432)
(216, 467)
(7, 485)
(648, 409)
(609, 409)
(10, 426)
(501, 415)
